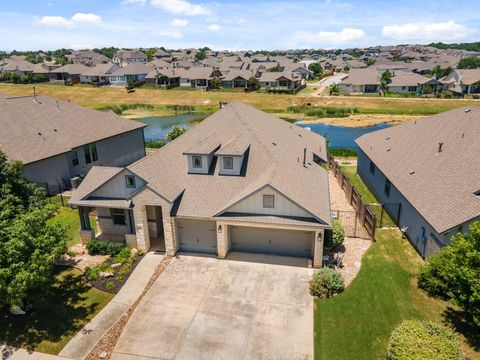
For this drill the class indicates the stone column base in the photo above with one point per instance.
(86, 236)
(131, 240)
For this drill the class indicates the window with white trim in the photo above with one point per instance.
(197, 162)
(228, 162)
(268, 201)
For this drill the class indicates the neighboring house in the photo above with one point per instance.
(240, 180)
(87, 58)
(463, 81)
(412, 83)
(136, 72)
(429, 170)
(58, 140)
(361, 81)
(70, 73)
(99, 74)
(125, 57)
(167, 78)
(162, 54)
(284, 80)
(237, 79)
(299, 70)
(199, 77)
(17, 66)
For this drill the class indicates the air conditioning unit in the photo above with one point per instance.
(75, 182)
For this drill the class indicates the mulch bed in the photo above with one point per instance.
(104, 348)
(101, 282)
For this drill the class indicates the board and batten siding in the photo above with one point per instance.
(116, 187)
(253, 204)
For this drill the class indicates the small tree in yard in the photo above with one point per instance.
(316, 68)
(175, 132)
(454, 273)
(325, 283)
(130, 84)
(334, 89)
(30, 242)
(338, 234)
(419, 340)
(253, 83)
(385, 79)
(216, 83)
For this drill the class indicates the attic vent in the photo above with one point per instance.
(389, 150)
(40, 134)
(55, 130)
(412, 172)
(300, 135)
(468, 110)
(274, 144)
(440, 146)
(388, 138)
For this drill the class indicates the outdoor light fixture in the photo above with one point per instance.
(220, 229)
(319, 237)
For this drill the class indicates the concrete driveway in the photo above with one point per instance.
(248, 307)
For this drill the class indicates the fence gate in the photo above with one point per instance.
(351, 224)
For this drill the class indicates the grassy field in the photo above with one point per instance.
(357, 323)
(208, 101)
(70, 304)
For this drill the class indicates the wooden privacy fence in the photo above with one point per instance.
(364, 220)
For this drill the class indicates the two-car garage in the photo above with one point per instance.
(201, 236)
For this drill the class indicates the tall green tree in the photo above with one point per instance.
(469, 63)
(30, 241)
(454, 272)
(316, 68)
(385, 79)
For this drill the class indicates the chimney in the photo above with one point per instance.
(304, 156)
(440, 145)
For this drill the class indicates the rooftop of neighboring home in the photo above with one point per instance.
(469, 76)
(16, 64)
(235, 74)
(410, 79)
(199, 73)
(133, 68)
(72, 69)
(101, 70)
(36, 129)
(367, 76)
(273, 152)
(434, 163)
(268, 76)
(130, 54)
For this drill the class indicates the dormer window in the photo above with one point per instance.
(130, 181)
(197, 162)
(227, 162)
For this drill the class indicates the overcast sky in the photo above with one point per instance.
(234, 24)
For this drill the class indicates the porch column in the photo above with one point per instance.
(169, 232)
(223, 240)
(86, 232)
(318, 248)
(141, 226)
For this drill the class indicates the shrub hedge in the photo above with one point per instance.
(96, 247)
(419, 340)
(325, 283)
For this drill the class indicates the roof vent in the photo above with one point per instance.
(274, 144)
(412, 172)
(389, 150)
(440, 146)
(468, 110)
(388, 138)
(40, 134)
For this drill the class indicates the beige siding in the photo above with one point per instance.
(117, 188)
(237, 165)
(253, 204)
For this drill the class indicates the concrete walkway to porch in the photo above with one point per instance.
(86, 339)
(13, 353)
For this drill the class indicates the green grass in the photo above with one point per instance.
(366, 195)
(357, 323)
(54, 320)
(70, 218)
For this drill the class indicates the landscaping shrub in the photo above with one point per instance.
(343, 152)
(325, 283)
(419, 340)
(155, 144)
(453, 273)
(96, 247)
(338, 234)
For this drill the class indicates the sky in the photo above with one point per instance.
(234, 24)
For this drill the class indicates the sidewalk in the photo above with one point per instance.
(86, 339)
(12, 353)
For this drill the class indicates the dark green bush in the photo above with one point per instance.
(419, 340)
(96, 247)
(325, 283)
(338, 234)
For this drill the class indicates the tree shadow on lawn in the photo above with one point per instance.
(61, 313)
(463, 324)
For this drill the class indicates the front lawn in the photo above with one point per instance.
(56, 319)
(69, 217)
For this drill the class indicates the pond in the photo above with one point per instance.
(159, 126)
(339, 136)
(342, 137)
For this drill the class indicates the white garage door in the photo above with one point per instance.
(271, 241)
(197, 236)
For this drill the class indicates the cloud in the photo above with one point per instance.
(78, 18)
(179, 22)
(214, 27)
(181, 7)
(347, 35)
(174, 34)
(86, 18)
(446, 31)
(81, 46)
(134, 2)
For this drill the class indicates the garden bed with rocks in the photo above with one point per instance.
(111, 274)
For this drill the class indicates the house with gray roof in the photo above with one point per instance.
(281, 80)
(68, 74)
(365, 81)
(58, 140)
(463, 81)
(99, 74)
(240, 180)
(413, 83)
(134, 71)
(125, 57)
(426, 173)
